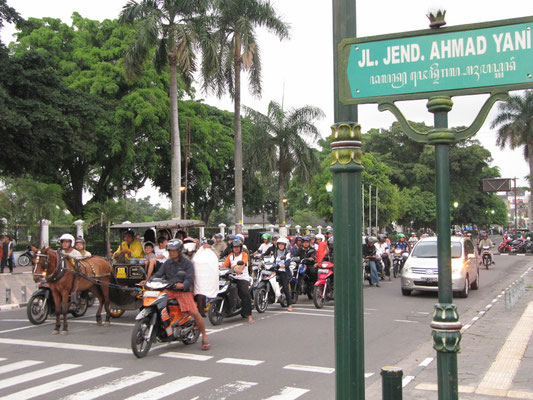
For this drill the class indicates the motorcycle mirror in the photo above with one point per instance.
(240, 262)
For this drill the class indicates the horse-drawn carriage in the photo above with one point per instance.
(114, 282)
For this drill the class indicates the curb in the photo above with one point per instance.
(8, 307)
(513, 254)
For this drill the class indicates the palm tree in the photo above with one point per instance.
(105, 214)
(234, 24)
(279, 144)
(515, 121)
(175, 29)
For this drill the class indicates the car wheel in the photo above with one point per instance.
(466, 290)
(406, 292)
(475, 284)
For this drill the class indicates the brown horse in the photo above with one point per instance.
(64, 278)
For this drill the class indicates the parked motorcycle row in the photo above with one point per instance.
(519, 246)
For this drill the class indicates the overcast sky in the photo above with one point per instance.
(299, 70)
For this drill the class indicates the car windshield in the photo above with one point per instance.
(429, 250)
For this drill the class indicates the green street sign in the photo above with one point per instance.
(465, 59)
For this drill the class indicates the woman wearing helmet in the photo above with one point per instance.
(265, 245)
(282, 259)
(80, 246)
(238, 261)
(67, 246)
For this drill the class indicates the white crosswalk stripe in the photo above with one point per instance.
(169, 388)
(113, 386)
(16, 380)
(59, 384)
(289, 393)
(18, 365)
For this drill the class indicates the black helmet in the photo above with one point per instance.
(175, 244)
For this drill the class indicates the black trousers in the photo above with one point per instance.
(284, 280)
(386, 264)
(3, 264)
(243, 288)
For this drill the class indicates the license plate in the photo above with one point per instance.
(121, 272)
(151, 293)
(431, 280)
(323, 271)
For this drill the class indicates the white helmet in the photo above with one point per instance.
(283, 240)
(320, 236)
(240, 236)
(67, 236)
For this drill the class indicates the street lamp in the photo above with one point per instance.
(455, 204)
(329, 187)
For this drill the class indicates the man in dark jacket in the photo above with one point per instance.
(369, 254)
(172, 270)
(308, 257)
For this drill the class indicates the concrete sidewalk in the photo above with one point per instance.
(21, 285)
(496, 359)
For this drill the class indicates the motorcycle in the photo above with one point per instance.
(505, 245)
(306, 278)
(294, 283)
(41, 304)
(227, 303)
(398, 259)
(25, 258)
(520, 245)
(486, 257)
(324, 288)
(268, 290)
(366, 270)
(161, 319)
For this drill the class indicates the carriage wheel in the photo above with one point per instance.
(116, 312)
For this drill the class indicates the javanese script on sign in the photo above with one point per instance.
(436, 61)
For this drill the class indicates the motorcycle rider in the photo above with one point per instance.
(169, 270)
(307, 256)
(229, 248)
(370, 255)
(295, 249)
(238, 261)
(485, 241)
(413, 239)
(402, 244)
(273, 246)
(383, 251)
(265, 245)
(329, 257)
(219, 245)
(282, 258)
(67, 246)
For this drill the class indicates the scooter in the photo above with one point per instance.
(227, 304)
(25, 258)
(366, 270)
(324, 288)
(398, 259)
(161, 319)
(42, 304)
(294, 283)
(307, 278)
(486, 256)
(268, 290)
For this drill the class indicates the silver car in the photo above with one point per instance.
(420, 271)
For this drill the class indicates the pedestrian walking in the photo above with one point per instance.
(7, 249)
(206, 276)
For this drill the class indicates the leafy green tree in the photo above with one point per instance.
(279, 144)
(305, 217)
(8, 14)
(515, 122)
(420, 208)
(235, 22)
(106, 214)
(173, 28)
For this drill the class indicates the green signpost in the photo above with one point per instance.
(465, 59)
(434, 64)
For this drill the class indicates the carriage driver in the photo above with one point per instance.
(130, 249)
(67, 246)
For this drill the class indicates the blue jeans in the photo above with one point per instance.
(374, 277)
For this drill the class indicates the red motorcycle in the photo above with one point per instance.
(323, 290)
(505, 245)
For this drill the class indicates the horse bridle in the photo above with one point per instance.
(57, 274)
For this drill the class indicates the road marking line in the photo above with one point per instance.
(289, 393)
(18, 365)
(305, 313)
(69, 346)
(30, 376)
(475, 319)
(406, 320)
(465, 327)
(423, 312)
(2, 359)
(303, 308)
(434, 387)
(482, 312)
(240, 361)
(310, 368)
(60, 383)
(211, 331)
(500, 375)
(488, 306)
(426, 362)
(494, 300)
(185, 356)
(407, 380)
(113, 386)
(169, 388)
(229, 389)
(368, 374)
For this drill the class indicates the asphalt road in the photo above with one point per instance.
(281, 356)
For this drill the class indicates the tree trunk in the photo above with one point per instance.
(530, 205)
(283, 180)
(175, 156)
(238, 138)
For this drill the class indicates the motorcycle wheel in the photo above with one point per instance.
(81, 307)
(261, 300)
(318, 299)
(294, 293)
(37, 314)
(214, 316)
(24, 260)
(395, 270)
(117, 312)
(192, 338)
(139, 344)
(486, 262)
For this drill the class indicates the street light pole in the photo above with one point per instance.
(346, 169)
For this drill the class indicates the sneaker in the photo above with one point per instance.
(378, 285)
